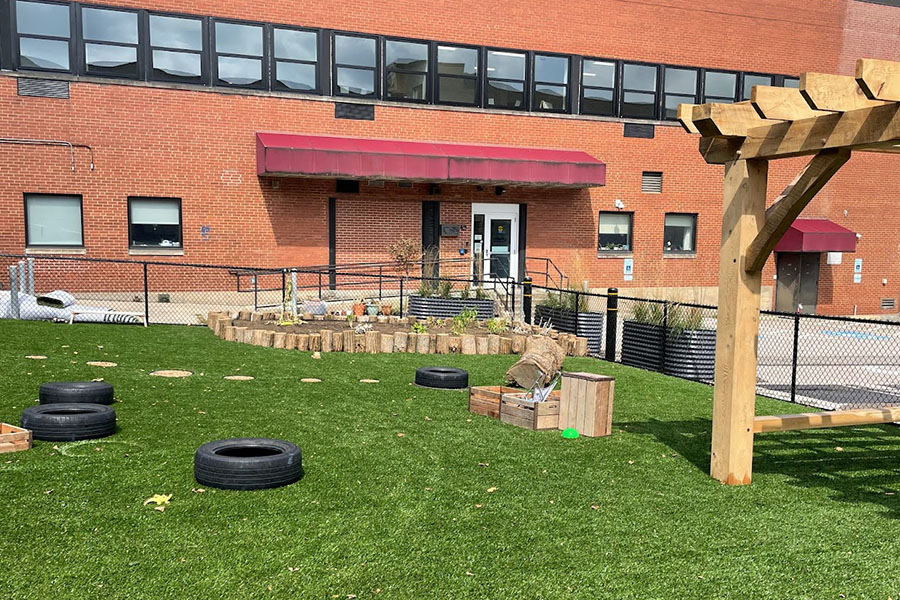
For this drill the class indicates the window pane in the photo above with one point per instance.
(639, 106)
(506, 65)
(639, 77)
(296, 45)
(550, 97)
(176, 64)
(162, 236)
(672, 102)
(751, 80)
(44, 54)
(457, 89)
(614, 232)
(54, 220)
(42, 19)
(355, 51)
(597, 102)
(110, 25)
(232, 38)
(112, 60)
(791, 82)
(175, 32)
(678, 235)
(720, 84)
(600, 74)
(551, 69)
(681, 81)
(356, 82)
(457, 61)
(296, 76)
(240, 71)
(406, 86)
(505, 94)
(408, 56)
(154, 212)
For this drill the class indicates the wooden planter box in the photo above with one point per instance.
(14, 439)
(692, 354)
(587, 403)
(583, 324)
(445, 308)
(485, 399)
(528, 414)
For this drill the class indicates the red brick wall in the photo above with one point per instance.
(199, 145)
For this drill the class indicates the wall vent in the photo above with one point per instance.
(640, 130)
(43, 88)
(358, 112)
(888, 303)
(651, 182)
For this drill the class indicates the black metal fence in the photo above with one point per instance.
(821, 361)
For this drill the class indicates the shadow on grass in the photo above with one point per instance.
(858, 464)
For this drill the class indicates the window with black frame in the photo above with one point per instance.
(44, 34)
(598, 87)
(551, 83)
(614, 231)
(639, 91)
(405, 70)
(792, 82)
(680, 233)
(176, 49)
(719, 86)
(679, 87)
(110, 42)
(505, 80)
(53, 220)
(154, 222)
(355, 60)
(296, 59)
(239, 55)
(457, 81)
(751, 80)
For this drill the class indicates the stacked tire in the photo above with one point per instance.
(72, 411)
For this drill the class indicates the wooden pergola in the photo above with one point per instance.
(826, 118)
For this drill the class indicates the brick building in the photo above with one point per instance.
(276, 134)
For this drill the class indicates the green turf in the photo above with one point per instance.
(377, 515)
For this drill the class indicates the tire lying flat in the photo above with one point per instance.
(90, 392)
(69, 422)
(446, 378)
(248, 464)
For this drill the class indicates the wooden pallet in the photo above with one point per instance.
(528, 414)
(14, 439)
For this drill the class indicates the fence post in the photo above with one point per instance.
(794, 361)
(612, 318)
(577, 311)
(320, 285)
(22, 277)
(380, 279)
(526, 299)
(13, 293)
(30, 287)
(665, 336)
(294, 291)
(401, 298)
(255, 291)
(283, 288)
(146, 296)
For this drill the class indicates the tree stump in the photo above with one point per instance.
(349, 340)
(278, 339)
(303, 342)
(493, 344)
(411, 341)
(505, 345)
(542, 359)
(326, 335)
(256, 316)
(455, 344)
(468, 344)
(315, 342)
(264, 338)
(423, 343)
(240, 335)
(245, 315)
(481, 344)
(360, 341)
(387, 343)
(290, 341)
(581, 347)
(442, 343)
(373, 342)
(230, 333)
(400, 341)
(337, 341)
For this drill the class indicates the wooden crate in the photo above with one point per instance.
(516, 410)
(587, 403)
(14, 439)
(485, 399)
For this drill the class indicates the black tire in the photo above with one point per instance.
(446, 378)
(248, 464)
(69, 422)
(90, 392)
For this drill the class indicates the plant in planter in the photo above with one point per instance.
(643, 336)
(359, 308)
(568, 312)
(386, 309)
(371, 308)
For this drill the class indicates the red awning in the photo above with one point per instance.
(817, 235)
(359, 158)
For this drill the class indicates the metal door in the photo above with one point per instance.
(797, 284)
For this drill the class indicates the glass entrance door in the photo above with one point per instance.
(495, 242)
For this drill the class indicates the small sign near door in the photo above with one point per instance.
(628, 269)
(857, 270)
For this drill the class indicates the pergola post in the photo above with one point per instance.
(743, 217)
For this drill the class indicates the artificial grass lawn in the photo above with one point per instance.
(378, 515)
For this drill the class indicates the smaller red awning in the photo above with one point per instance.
(282, 154)
(817, 235)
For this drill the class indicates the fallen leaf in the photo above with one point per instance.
(316, 355)
(160, 508)
(484, 464)
(479, 505)
(158, 499)
(48, 492)
(595, 507)
(198, 490)
(293, 569)
(630, 462)
(427, 418)
(400, 435)
(838, 449)
(491, 490)
(470, 574)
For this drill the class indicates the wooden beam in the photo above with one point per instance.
(734, 395)
(780, 103)
(686, 117)
(730, 120)
(834, 92)
(791, 202)
(879, 78)
(834, 418)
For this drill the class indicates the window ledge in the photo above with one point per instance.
(679, 255)
(39, 250)
(156, 251)
(614, 254)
